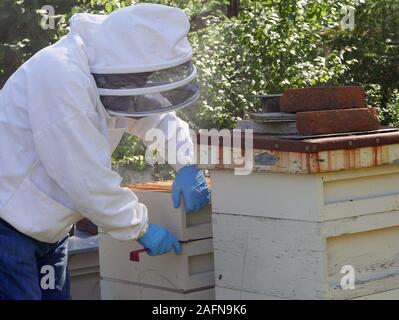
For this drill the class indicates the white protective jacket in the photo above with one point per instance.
(56, 143)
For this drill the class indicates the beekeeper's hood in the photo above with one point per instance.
(140, 58)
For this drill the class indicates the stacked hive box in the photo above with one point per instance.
(187, 276)
(290, 236)
(83, 266)
(315, 216)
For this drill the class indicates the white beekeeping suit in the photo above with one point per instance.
(65, 110)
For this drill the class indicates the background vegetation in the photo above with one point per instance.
(243, 48)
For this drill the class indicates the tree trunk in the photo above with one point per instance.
(233, 8)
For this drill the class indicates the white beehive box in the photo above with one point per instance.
(117, 290)
(187, 276)
(84, 267)
(193, 269)
(184, 226)
(288, 236)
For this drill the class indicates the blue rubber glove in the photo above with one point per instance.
(191, 183)
(158, 240)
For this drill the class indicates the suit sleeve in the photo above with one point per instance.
(71, 145)
(177, 144)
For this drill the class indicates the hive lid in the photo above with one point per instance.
(156, 186)
(309, 144)
(273, 117)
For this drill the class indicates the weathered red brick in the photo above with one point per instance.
(326, 98)
(337, 121)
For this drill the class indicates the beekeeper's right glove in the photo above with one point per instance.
(190, 183)
(158, 240)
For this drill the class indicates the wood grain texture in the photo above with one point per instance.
(291, 260)
(84, 271)
(267, 195)
(156, 186)
(267, 160)
(374, 256)
(166, 271)
(359, 223)
(386, 295)
(116, 290)
(184, 226)
(271, 257)
(231, 294)
(288, 235)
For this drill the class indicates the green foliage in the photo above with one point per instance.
(390, 113)
(264, 47)
(268, 47)
(130, 152)
(21, 34)
(376, 42)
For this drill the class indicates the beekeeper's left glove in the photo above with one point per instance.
(158, 240)
(191, 183)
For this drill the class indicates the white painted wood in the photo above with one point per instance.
(270, 257)
(84, 271)
(79, 262)
(375, 257)
(274, 195)
(289, 260)
(288, 235)
(361, 188)
(359, 173)
(386, 295)
(192, 269)
(116, 290)
(184, 226)
(231, 294)
(347, 209)
(362, 223)
(86, 287)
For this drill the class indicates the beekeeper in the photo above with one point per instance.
(63, 113)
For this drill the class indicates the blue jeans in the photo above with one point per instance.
(30, 269)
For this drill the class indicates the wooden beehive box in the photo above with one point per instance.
(187, 276)
(288, 236)
(192, 269)
(116, 290)
(84, 267)
(157, 197)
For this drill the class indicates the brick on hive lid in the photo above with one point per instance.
(337, 121)
(322, 98)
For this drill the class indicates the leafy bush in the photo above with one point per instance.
(268, 47)
(390, 114)
(375, 39)
(243, 48)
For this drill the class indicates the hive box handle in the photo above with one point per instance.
(135, 255)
